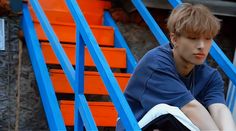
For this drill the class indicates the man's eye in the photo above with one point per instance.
(208, 38)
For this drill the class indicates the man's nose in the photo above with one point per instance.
(200, 45)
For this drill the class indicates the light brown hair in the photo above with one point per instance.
(193, 21)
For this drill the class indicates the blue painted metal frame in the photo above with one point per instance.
(66, 66)
(54, 42)
(230, 100)
(175, 3)
(47, 93)
(79, 75)
(120, 42)
(153, 26)
(215, 51)
(108, 78)
(222, 60)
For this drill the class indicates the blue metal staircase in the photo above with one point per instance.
(84, 36)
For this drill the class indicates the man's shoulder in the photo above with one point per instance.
(160, 56)
(160, 50)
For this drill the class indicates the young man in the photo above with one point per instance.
(175, 74)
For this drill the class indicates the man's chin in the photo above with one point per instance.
(199, 62)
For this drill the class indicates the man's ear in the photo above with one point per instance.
(173, 39)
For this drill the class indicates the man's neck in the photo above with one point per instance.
(183, 67)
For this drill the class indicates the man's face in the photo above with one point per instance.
(192, 50)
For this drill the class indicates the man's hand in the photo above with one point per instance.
(199, 116)
(222, 117)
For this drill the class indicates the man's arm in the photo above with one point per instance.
(222, 116)
(199, 116)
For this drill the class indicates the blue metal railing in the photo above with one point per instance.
(83, 115)
(124, 111)
(79, 75)
(51, 107)
(68, 69)
(153, 26)
(230, 100)
(215, 51)
(54, 42)
(120, 42)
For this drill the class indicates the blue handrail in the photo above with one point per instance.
(215, 51)
(54, 42)
(51, 107)
(230, 99)
(120, 42)
(175, 3)
(153, 26)
(79, 75)
(124, 111)
(223, 62)
(67, 68)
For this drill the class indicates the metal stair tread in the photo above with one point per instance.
(111, 54)
(65, 17)
(103, 34)
(104, 113)
(85, 5)
(93, 83)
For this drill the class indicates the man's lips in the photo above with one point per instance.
(200, 55)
